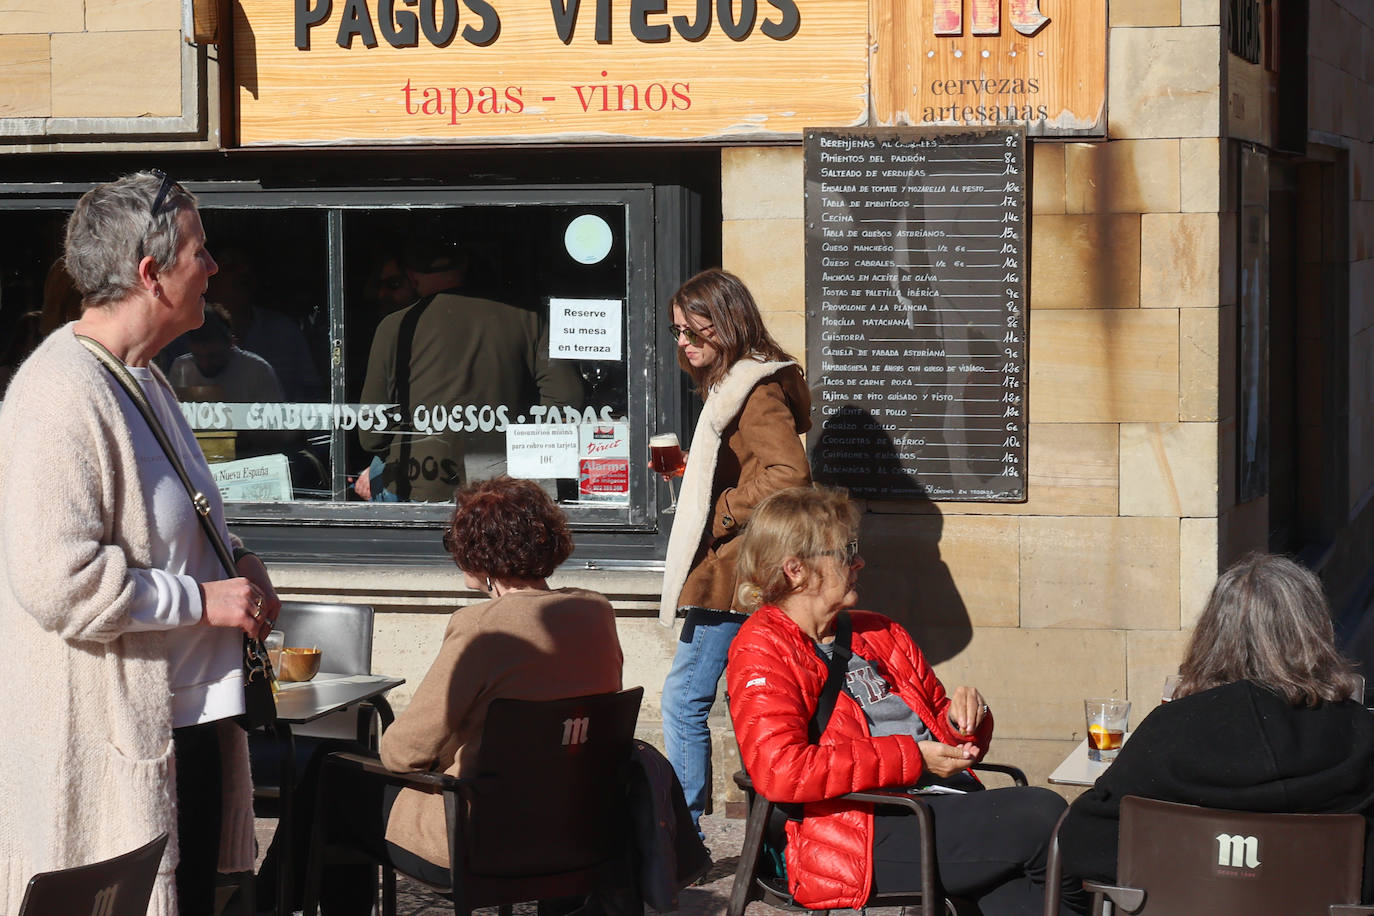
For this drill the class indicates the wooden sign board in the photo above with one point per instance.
(965, 63)
(464, 71)
(915, 312)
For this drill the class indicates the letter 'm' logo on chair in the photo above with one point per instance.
(105, 901)
(1237, 851)
(575, 730)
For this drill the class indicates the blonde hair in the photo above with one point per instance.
(801, 522)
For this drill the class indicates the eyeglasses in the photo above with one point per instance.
(847, 556)
(693, 335)
(167, 186)
(448, 539)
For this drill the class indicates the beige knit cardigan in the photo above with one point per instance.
(87, 770)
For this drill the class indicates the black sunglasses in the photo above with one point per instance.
(167, 186)
(694, 337)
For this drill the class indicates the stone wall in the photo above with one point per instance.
(71, 59)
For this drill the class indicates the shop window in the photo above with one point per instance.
(368, 352)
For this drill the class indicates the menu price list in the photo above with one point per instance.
(915, 295)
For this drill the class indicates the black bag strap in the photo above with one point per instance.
(400, 388)
(837, 664)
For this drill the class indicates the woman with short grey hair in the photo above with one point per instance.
(1267, 718)
(124, 636)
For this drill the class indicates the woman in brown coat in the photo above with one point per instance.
(745, 448)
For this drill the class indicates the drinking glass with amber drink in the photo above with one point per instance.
(1106, 719)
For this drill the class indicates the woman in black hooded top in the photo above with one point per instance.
(1262, 721)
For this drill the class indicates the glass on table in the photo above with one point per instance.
(274, 643)
(666, 460)
(1170, 687)
(1106, 720)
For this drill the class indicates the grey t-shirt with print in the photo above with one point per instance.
(887, 713)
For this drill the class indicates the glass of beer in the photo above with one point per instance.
(665, 459)
(1107, 720)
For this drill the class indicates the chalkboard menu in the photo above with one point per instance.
(915, 300)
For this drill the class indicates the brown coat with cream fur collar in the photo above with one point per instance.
(747, 442)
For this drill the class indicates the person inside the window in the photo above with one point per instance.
(470, 366)
(216, 361)
(264, 330)
(1263, 720)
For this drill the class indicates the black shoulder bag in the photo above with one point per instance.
(260, 709)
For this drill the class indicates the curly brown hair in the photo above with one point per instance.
(507, 529)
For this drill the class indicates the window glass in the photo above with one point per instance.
(477, 335)
(264, 345)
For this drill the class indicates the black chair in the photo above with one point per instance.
(120, 886)
(1174, 858)
(757, 878)
(543, 818)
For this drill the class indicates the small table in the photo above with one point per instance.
(306, 701)
(1077, 769)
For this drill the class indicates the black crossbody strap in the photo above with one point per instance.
(130, 384)
(837, 664)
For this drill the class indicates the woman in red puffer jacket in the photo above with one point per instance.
(892, 725)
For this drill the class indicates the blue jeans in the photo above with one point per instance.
(688, 694)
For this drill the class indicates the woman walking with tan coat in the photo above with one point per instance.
(745, 448)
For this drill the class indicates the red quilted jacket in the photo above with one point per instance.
(775, 679)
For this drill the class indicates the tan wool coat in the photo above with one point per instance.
(87, 772)
(527, 645)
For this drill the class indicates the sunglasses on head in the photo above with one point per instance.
(694, 337)
(167, 186)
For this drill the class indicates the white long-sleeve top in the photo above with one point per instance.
(205, 663)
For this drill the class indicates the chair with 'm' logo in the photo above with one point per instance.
(1177, 859)
(543, 817)
(115, 887)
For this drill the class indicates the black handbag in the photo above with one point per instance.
(259, 683)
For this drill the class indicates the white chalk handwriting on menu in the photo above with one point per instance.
(915, 294)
